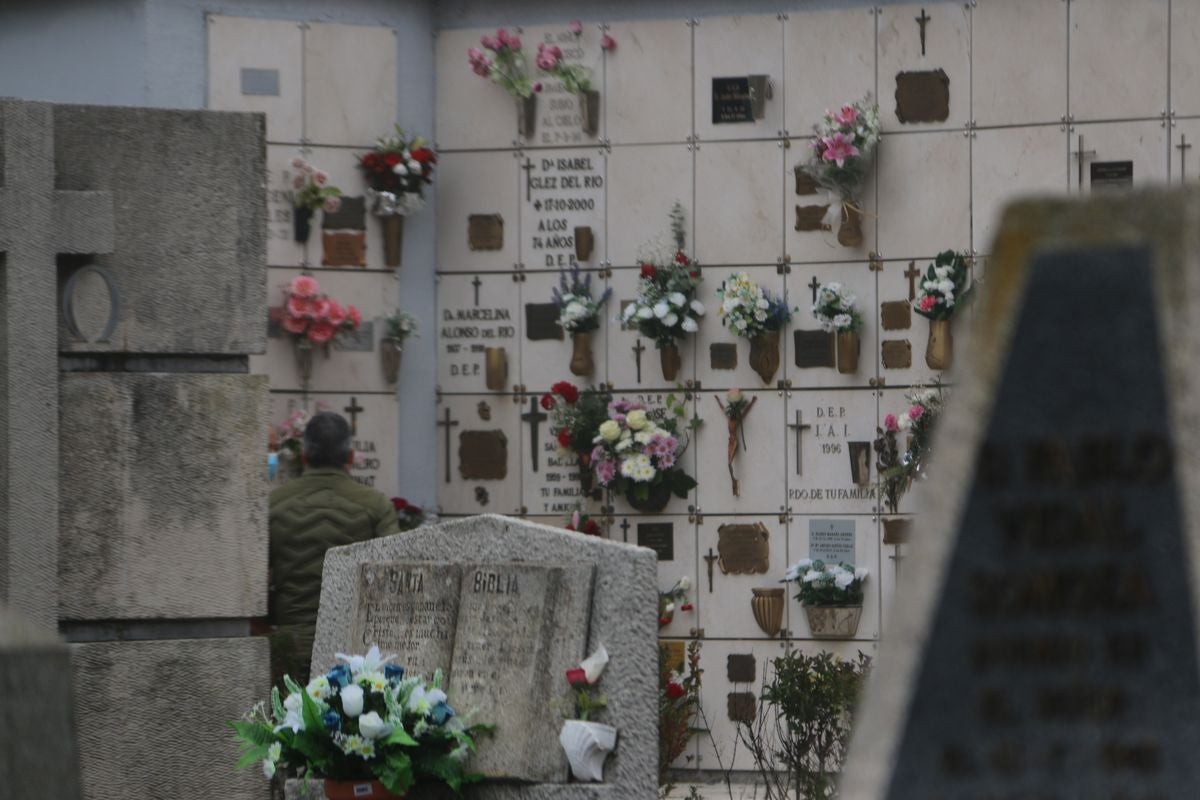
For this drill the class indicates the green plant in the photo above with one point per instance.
(678, 704)
(399, 325)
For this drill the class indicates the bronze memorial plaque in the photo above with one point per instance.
(923, 96)
(541, 322)
(740, 668)
(675, 656)
(722, 355)
(483, 455)
(744, 549)
(812, 218)
(815, 349)
(485, 232)
(805, 183)
(343, 248)
(897, 353)
(895, 315)
(740, 707)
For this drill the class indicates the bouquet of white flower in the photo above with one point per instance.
(835, 309)
(824, 584)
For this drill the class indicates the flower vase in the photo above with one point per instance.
(847, 352)
(495, 368)
(833, 622)
(587, 744)
(581, 354)
(939, 353)
(764, 355)
(353, 790)
(668, 356)
(390, 351)
(589, 110)
(656, 500)
(767, 605)
(393, 238)
(526, 116)
(304, 359)
(850, 231)
(301, 223)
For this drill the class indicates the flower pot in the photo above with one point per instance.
(764, 355)
(939, 353)
(393, 238)
(581, 353)
(850, 232)
(495, 368)
(833, 622)
(587, 744)
(390, 351)
(847, 352)
(526, 116)
(668, 356)
(304, 359)
(767, 605)
(656, 500)
(353, 790)
(589, 110)
(301, 223)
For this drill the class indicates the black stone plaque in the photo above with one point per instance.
(923, 96)
(659, 537)
(1111, 174)
(1065, 626)
(485, 232)
(740, 668)
(740, 707)
(731, 100)
(483, 455)
(351, 215)
(896, 353)
(895, 315)
(541, 322)
(815, 349)
(359, 341)
(722, 355)
(812, 218)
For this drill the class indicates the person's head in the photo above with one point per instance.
(327, 440)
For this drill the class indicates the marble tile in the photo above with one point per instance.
(1185, 58)
(735, 47)
(459, 495)
(1146, 144)
(838, 46)
(561, 190)
(682, 536)
(713, 332)
(896, 286)
(820, 480)
(1185, 163)
(1118, 64)
(237, 44)
(1019, 43)
(559, 120)
(282, 248)
(924, 194)
(1008, 163)
(807, 245)
(721, 749)
(634, 363)
(860, 280)
(758, 465)
(477, 184)
(648, 82)
(866, 554)
(739, 203)
(644, 183)
(947, 47)
(471, 112)
(350, 83)
(472, 319)
(731, 615)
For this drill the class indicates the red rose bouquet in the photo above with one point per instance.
(397, 171)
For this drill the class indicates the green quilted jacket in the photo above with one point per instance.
(323, 508)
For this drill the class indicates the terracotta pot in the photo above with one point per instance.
(353, 790)
(390, 351)
(581, 353)
(939, 353)
(833, 622)
(764, 355)
(668, 356)
(847, 352)
(767, 605)
(301, 223)
(850, 232)
(526, 116)
(660, 495)
(304, 358)
(495, 368)
(589, 111)
(393, 238)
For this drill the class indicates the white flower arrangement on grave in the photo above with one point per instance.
(836, 311)
(579, 315)
(824, 585)
(945, 288)
(751, 312)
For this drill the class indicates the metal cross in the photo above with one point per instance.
(447, 424)
(354, 409)
(528, 167)
(625, 528)
(709, 559)
(896, 558)
(911, 273)
(816, 284)
(638, 349)
(535, 417)
(799, 428)
(1182, 147)
(1082, 155)
(476, 283)
(923, 20)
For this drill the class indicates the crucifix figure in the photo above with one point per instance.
(923, 20)
(911, 273)
(709, 559)
(1182, 147)
(476, 283)
(638, 349)
(354, 409)
(447, 424)
(534, 417)
(625, 529)
(814, 285)
(1082, 155)
(799, 428)
(528, 167)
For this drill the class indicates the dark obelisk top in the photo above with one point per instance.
(1051, 650)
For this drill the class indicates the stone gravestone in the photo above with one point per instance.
(506, 607)
(1045, 640)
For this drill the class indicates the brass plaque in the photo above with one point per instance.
(722, 355)
(923, 96)
(897, 531)
(350, 216)
(344, 248)
(541, 322)
(805, 183)
(744, 549)
(485, 232)
(740, 668)
(740, 707)
(674, 655)
(896, 315)
(815, 349)
(897, 353)
(483, 455)
(860, 462)
(584, 242)
(811, 218)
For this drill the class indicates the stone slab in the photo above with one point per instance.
(165, 506)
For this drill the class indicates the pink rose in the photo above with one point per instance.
(916, 411)
(608, 43)
(889, 423)
(514, 43)
(304, 286)
(294, 324)
(298, 163)
(298, 182)
(537, 86)
(300, 306)
(319, 177)
(488, 42)
(335, 313)
(928, 302)
(575, 26)
(320, 309)
(332, 204)
(354, 316)
(502, 37)
(321, 331)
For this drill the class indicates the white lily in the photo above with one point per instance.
(373, 661)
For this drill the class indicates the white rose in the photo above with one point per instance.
(352, 700)
(690, 325)
(629, 311)
(860, 574)
(730, 304)
(400, 170)
(575, 310)
(945, 287)
(903, 422)
(636, 419)
(697, 308)
(269, 768)
(661, 309)
(843, 579)
(670, 319)
(677, 299)
(414, 168)
(610, 431)
(372, 726)
(644, 313)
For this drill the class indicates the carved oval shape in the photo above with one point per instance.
(114, 302)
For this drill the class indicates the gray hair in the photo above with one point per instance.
(327, 440)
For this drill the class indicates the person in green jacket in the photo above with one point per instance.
(323, 508)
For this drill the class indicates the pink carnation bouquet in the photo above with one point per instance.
(309, 313)
(637, 449)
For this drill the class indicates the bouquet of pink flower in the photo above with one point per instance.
(505, 66)
(944, 287)
(312, 188)
(308, 313)
(636, 451)
(844, 146)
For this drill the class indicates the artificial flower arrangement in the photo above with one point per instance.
(636, 452)
(575, 417)
(506, 67)
(750, 311)
(397, 171)
(587, 742)
(735, 408)
(582, 522)
(408, 516)
(666, 308)
(313, 317)
(837, 312)
(944, 289)
(678, 707)
(363, 721)
(672, 600)
(899, 468)
(832, 596)
(576, 78)
(311, 190)
(842, 153)
(397, 326)
(579, 315)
